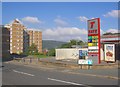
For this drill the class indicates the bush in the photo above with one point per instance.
(51, 52)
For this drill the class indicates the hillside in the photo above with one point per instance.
(49, 44)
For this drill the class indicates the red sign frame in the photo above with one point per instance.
(97, 31)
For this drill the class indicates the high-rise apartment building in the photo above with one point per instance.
(21, 38)
(35, 36)
(18, 37)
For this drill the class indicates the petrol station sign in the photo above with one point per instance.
(94, 40)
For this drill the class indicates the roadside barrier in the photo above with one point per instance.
(82, 64)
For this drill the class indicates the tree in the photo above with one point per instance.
(32, 49)
(67, 45)
(76, 42)
(73, 42)
(80, 42)
(52, 52)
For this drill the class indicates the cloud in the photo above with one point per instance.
(29, 19)
(65, 34)
(10, 22)
(112, 13)
(113, 31)
(102, 31)
(83, 18)
(60, 22)
(34, 29)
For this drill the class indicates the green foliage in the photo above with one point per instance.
(51, 52)
(73, 42)
(67, 45)
(32, 50)
(41, 56)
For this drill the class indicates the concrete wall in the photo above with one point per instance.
(68, 53)
(72, 53)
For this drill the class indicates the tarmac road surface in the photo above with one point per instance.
(22, 75)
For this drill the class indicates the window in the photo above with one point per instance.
(10, 29)
(10, 44)
(11, 52)
(10, 32)
(17, 32)
(10, 48)
(11, 40)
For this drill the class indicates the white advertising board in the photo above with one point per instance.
(109, 52)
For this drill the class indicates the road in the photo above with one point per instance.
(22, 75)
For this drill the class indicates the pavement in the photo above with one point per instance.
(16, 73)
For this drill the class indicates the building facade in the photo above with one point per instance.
(5, 43)
(35, 37)
(18, 37)
(21, 38)
(111, 38)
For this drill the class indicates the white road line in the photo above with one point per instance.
(23, 73)
(64, 81)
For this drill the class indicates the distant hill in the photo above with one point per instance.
(49, 44)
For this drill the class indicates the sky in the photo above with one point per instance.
(0, 13)
(60, 0)
(62, 21)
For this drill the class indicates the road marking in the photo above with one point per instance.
(6, 62)
(23, 73)
(64, 81)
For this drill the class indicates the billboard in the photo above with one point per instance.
(94, 40)
(110, 52)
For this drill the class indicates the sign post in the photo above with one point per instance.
(94, 40)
